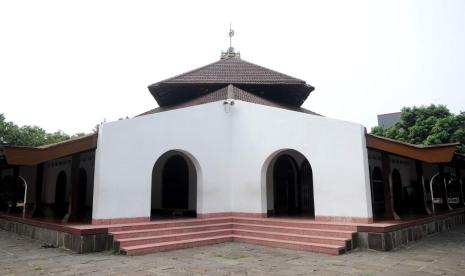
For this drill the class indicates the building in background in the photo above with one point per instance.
(389, 119)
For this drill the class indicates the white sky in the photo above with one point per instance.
(69, 64)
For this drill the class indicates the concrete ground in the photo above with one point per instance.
(440, 254)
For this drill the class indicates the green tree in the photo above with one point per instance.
(427, 125)
(31, 136)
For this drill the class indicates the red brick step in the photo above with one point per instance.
(167, 224)
(295, 230)
(169, 230)
(171, 237)
(167, 246)
(298, 223)
(300, 246)
(291, 237)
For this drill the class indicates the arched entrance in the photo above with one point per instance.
(174, 186)
(377, 192)
(12, 191)
(397, 192)
(61, 205)
(289, 184)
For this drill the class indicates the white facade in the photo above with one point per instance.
(231, 152)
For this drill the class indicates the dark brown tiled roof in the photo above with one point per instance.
(229, 92)
(243, 74)
(233, 70)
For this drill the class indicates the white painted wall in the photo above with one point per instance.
(335, 149)
(231, 152)
(128, 149)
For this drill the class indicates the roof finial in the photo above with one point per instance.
(231, 34)
(230, 52)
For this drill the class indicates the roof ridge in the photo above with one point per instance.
(230, 94)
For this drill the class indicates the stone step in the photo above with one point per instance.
(292, 237)
(169, 230)
(167, 224)
(299, 223)
(295, 230)
(293, 245)
(173, 245)
(120, 243)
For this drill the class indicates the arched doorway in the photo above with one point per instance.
(12, 191)
(290, 185)
(397, 192)
(377, 193)
(175, 183)
(174, 186)
(61, 205)
(285, 179)
(82, 193)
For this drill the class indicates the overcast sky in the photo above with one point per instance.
(70, 65)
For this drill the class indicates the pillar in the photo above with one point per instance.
(389, 212)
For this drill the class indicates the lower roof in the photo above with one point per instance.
(442, 153)
(16, 155)
(229, 92)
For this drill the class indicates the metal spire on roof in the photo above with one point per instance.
(230, 52)
(231, 34)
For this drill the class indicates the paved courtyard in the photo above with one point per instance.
(440, 254)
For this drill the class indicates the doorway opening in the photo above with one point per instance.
(289, 182)
(174, 186)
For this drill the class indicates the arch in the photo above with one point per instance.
(287, 184)
(437, 187)
(377, 192)
(175, 176)
(12, 193)
(397, 193)
(61, 205)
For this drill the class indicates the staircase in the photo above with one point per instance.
(295, 234)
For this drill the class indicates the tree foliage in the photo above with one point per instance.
(31, 136)
(427, 125)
